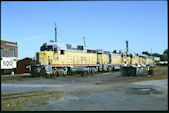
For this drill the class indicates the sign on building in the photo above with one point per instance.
(8, 62)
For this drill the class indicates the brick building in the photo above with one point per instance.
(9, 49)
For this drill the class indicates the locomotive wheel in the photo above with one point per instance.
(100, 69)
(65, 71)
(60, 72)
(109, 69)
(42, 73)
(92, 70)
(34, 72)
(55, 73)
(88, 71)
(132, 73)
(96, 70)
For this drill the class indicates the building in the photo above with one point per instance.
(9, 56)
(163, 63)
(23, 65)
(157, 58)
(9, 49)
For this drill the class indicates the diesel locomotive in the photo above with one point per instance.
(56, 59)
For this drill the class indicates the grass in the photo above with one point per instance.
(154, 77)
(21, 101)
(160, 68)
(163, 75)
(19, 78)
(158, 76)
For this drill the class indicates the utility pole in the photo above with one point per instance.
(84, 41)
(126, 46)
(55, 33)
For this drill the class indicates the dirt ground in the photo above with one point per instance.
(99, 92)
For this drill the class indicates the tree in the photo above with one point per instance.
(165, 52)
(146, 53)
(164, 57)
(156, 55)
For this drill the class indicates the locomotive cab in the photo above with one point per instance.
(47, 53)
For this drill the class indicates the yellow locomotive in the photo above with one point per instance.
(136, 60)
(60, 59)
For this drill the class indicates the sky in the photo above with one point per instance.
(104, 24)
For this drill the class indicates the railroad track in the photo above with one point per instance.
(23, 94)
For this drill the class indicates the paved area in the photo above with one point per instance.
(103, 91)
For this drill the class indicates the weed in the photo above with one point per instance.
(17, 101)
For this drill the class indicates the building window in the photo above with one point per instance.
(11, 52)
(2, 52)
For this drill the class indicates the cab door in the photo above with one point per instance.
(109, 57)
(99, 58)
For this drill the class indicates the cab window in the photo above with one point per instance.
(62, 52)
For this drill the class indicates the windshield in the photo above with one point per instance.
(49, 48)
(46, 48)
